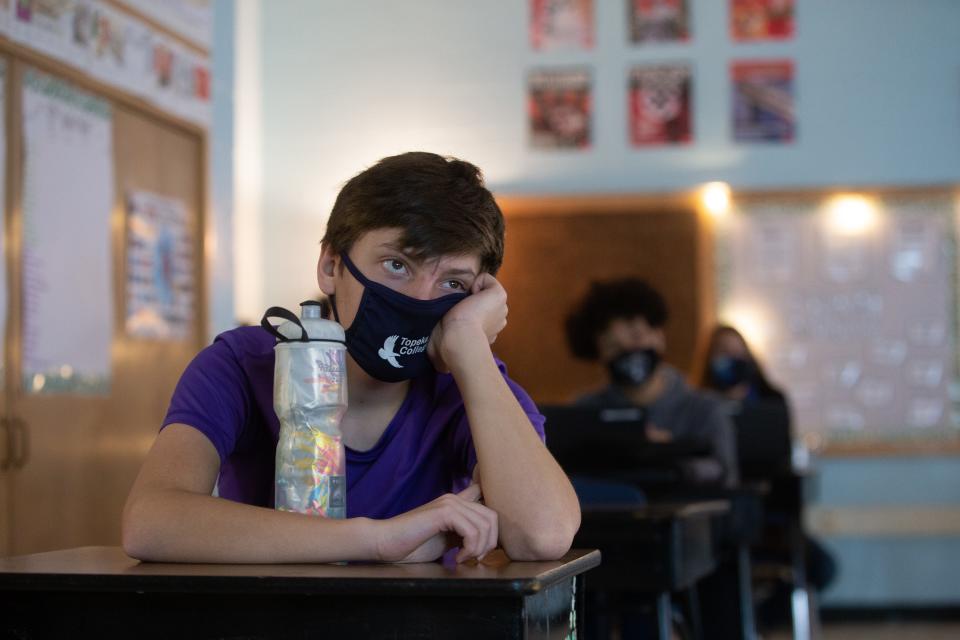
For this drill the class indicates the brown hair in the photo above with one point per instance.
(441, 204)
(606, 301)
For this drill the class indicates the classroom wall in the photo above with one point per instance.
(221, 203)
(343, 84)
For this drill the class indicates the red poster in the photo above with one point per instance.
(761, 19)
(660, 108)
(559, 106)
(659, 21)
(559, 24)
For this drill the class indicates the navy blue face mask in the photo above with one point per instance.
(728, 372)
(389, 335)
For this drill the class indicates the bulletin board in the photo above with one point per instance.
(849, 299)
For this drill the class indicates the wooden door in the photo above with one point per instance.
(85, 451)
(7, 444)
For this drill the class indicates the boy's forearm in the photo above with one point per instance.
(168, 525)
(539, 511)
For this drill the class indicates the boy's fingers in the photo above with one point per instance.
(472, 493)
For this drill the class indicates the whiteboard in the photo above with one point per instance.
(852, 311)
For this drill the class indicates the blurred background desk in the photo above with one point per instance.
(650, 552)
(100, 592)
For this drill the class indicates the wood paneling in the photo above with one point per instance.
(556, 246)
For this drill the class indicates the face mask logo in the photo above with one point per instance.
(375, 339)
(387, 353)
(633, 368)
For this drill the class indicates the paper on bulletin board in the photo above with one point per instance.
(161, 295)
(121, 48)
(192, 19)
(68, 193)
(5, 16)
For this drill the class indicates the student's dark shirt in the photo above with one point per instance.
(688, 414)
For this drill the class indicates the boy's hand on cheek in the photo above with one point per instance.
(480, 316)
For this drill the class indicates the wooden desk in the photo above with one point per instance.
(100, 592)
(653, 550)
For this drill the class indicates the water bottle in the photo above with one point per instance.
(309, 398)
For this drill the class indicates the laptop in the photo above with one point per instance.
(610, 443)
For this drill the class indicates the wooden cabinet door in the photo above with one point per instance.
(5, 514)
(85, 451)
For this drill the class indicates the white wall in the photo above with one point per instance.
(219, 232)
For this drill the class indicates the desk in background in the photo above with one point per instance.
(100, 592)
(652, 551)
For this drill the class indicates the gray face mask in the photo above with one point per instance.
(633, 368)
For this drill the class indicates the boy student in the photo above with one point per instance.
(443, 451)
(620, 323)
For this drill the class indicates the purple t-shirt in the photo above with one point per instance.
(226, 392)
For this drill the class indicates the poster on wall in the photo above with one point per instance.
(660, 109)
(659, 21)
(559, 104)
(763, 101)
(753, 20)
(561, 24)
(68, 193)
(160, 293)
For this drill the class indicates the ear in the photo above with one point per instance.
(327, 269)
(660, 339)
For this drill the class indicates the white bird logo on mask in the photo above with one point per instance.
(387, 353)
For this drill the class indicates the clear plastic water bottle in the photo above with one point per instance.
(309, 397)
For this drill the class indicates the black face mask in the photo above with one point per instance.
(389, 335)
(728, 372)
(633, 368)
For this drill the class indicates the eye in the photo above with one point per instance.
(394, 266)
(456, 285)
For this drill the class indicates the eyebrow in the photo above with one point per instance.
(455, 271)
(460, 272)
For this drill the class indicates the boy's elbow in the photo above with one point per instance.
(135, 535)
(549, 543)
